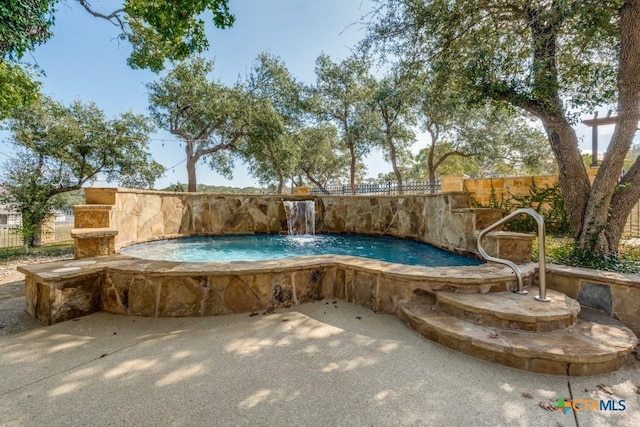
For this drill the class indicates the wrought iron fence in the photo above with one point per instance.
(632, 229)
(387, 188)
(10, 224)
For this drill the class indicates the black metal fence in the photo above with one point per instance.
(387, 188)
(10, 224)
(632, 229)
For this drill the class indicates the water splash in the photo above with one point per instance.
(301, 216)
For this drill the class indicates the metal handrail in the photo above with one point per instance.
(542, 295)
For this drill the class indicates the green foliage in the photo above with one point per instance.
(23, 25)
(66, 201)
(219, 189)
(554, 59)
(158, 30)
(55, 250)
(272, 151)
(61, 148)
(213, 120)
(17, 88)
(169, 29)
(547, 201)
(322, 160)
(566, 252)
(394, 101)
(342, 97)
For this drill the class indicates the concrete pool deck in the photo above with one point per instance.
(321, 363)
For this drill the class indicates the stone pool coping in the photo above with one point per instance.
(64, 290)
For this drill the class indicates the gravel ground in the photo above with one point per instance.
(8, 272)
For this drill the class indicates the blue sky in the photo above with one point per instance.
(84, 61)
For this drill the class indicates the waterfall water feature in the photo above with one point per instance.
(301, 216)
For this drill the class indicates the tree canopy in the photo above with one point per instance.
(342, 95)
(61, 148)
(273, 151)
(554, 60)
(158, 30)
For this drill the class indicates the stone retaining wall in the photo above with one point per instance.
(444, 220)
(616, 294)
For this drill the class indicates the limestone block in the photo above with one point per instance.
(265, 285)
(100, 196)
(451, 183)
(115, 293)
(143, 296)
(181, 296)
(172, 212)
(391, 292)
(91, 216)
(331, 282)
(75, 298)
(213, 303)
(309, 285)
(365, 286)
(626, 306)
(43, 301)
(94, 246)
(31, 293)
(281, 289)
(568, 285)
(240, 298)
(515, 247)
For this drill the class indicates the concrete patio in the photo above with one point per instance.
(321, 363)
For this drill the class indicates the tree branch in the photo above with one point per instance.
(449, 154)
(115, 15)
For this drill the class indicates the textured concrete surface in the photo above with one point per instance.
(322, 363)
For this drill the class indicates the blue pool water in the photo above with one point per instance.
(260, 247)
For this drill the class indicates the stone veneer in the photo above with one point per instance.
(618, 294)
(64, 290)
(443, 220)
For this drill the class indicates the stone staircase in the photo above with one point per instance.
(92, 232)
(520, 332)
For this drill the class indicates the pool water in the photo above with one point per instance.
(260, 247)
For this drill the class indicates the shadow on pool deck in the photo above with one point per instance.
(322, 363)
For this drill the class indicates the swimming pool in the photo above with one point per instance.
(261, 247)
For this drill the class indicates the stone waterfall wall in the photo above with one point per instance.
(444, 220)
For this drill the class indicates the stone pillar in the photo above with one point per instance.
(46, 231)
(451, 183)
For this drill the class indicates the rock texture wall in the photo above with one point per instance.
(133, 216)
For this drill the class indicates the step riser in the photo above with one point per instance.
(519, 358)
(489, 319)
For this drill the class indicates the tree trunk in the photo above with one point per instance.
(191, 176)
(316, 182)
(573, 178)
(394, 162)
(192, 161)
(352, 168)
(608, 206)
(431, 166)
(280, 183)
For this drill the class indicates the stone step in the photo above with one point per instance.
(92, 216)
(508, 310)
(590, 347)
(90, 242)
(509, 245)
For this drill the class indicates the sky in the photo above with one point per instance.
(84, 61)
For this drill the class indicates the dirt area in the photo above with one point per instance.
(12, 281)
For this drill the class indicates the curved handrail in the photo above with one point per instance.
(542, 295)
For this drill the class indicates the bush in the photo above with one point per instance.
(547, 201)
(564, 252)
